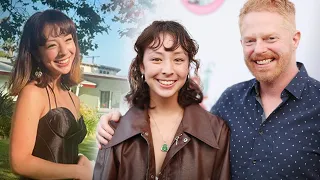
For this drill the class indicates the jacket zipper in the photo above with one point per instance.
(177, 139)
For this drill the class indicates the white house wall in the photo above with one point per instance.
(91, 96)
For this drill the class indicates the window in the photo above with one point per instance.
(105, 99)
(116, 97)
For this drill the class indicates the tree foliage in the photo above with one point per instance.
(6, 111)
(89, 16)
(90, 117)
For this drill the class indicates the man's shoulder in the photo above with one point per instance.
(233, 95)
(313, 84)
(240, 88)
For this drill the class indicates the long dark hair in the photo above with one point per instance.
(139, 95)
(32, 38)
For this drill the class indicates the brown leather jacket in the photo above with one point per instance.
(200, 151)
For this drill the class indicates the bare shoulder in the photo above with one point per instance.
(31, 91)
(31, 100)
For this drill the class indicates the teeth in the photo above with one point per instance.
(266, 61)
(63, 61)
(166, 82)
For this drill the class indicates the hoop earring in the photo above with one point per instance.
(142, 77)
(38, 73)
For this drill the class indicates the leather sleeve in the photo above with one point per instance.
(222, 162)
(106, 167)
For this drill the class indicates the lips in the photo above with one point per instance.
(166, 82)
(265, 61)
(62, 62)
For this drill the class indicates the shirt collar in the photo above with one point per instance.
(295, 87)
(297, 84)
(195, 122)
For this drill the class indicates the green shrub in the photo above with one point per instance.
(91, 118)
(6, 111)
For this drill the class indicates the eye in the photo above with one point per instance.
(272, 39)
(69, 39)
(249, 42)
(179, 60)
(156, 59)
(51, 46)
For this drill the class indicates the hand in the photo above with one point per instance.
(104, 132)
(86, 168)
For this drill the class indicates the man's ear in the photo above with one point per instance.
(241, 42)
(296, 39)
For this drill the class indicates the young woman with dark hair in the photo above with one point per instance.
(165, 134)
(46, 126)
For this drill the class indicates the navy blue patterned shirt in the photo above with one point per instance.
(286, 144)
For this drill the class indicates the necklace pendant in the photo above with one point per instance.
(164, 148)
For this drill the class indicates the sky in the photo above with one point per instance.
(112, 51)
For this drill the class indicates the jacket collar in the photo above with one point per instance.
(195, 122)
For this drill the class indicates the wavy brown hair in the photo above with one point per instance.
(28, 59)
(139, 95)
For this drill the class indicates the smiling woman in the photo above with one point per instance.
(165, 132)
(46, 126)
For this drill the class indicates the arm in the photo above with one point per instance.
(104, 131)
(29, 107)
(222, 162)
(106, 167)
(217, 109)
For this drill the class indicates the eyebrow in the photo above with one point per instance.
(175, 53)
(155, 52)
(50, 40)
(263, 35)
(180, 52)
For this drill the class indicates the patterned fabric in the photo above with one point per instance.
(286, 144)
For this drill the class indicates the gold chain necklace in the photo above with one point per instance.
(164, 147)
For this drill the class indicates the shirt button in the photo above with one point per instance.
(254, 161)
(260, 132)
(152, 176)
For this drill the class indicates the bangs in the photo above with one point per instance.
(57, 23)
(155, 37)
(158, 42)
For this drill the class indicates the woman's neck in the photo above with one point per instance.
(165, 105)
(55, 84)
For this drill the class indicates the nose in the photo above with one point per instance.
(63, 50)
(167, 67)
(260, 47)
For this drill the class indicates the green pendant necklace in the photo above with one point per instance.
(164, 147)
